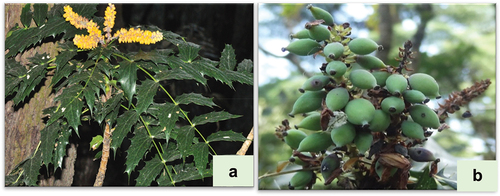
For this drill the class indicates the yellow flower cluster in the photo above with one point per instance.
(76, 20)
(95, 35)
(109, 19)
(89, 41)
(138, 35)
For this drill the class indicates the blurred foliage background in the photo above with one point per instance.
(454, 43)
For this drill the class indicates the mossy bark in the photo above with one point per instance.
(24, 122)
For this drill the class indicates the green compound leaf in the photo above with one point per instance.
(168, 114)
(48, 138)
(425, 182)
(147, 174)
(60, 150)
(14, 75)
(197, 99)
(127, 74)
(33, 77)
(441, 178)
(171, 154)
(145, 93)
(109, 106)
(157, 56)
(31, 169)
(173, 74)
(73, 113)
(176, 63)
(245, 66)
(140, 143)
(226, 136)
(189, 172)
(208, 67)
(40, 13)
(23, 38)
(90, 98)
(185, 140)
(26, 15)
(184, 173)
(123, 127)
(172, 37)
(241, 77)
(213, 117)
(228, 58)
(200, 153)
(71, 106)
(63, 67)
(188, 51)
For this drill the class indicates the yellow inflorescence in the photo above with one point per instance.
(76, 20)
(109, 19)
(95, 35)
(89, 41)
(138, 35)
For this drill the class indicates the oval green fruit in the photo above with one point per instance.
(333, 50)
(362, 79)
(302, 34)
(309, 101)
(392, 105)
(359, 111)
(363, 46)
(318, 32)
(369, 62)
(301, 179)
(337, 99)
(315, 83)
(396, 84)
(293, 137)
(315, 142)
(425, 84)
(303, 47)
(380, 122)
(424, 116)
(420, 154)
(336, 68)
(412, 130)
(363, 141)
(381, 77)
(311, 122)
(329, 164)
(414, 96)
(319, 13)
(343, 134)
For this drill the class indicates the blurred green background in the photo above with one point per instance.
(454, 43)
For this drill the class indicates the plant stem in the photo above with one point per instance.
(287, 172)
(246, 144)
(106, 143)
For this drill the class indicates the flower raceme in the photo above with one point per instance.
(138, 35)
(95, 35)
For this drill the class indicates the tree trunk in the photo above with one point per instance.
(24, 122)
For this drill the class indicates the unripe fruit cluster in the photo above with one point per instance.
(378, 101)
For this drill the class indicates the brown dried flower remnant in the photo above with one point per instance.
(461, 98)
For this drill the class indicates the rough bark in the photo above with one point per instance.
(24, 122)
